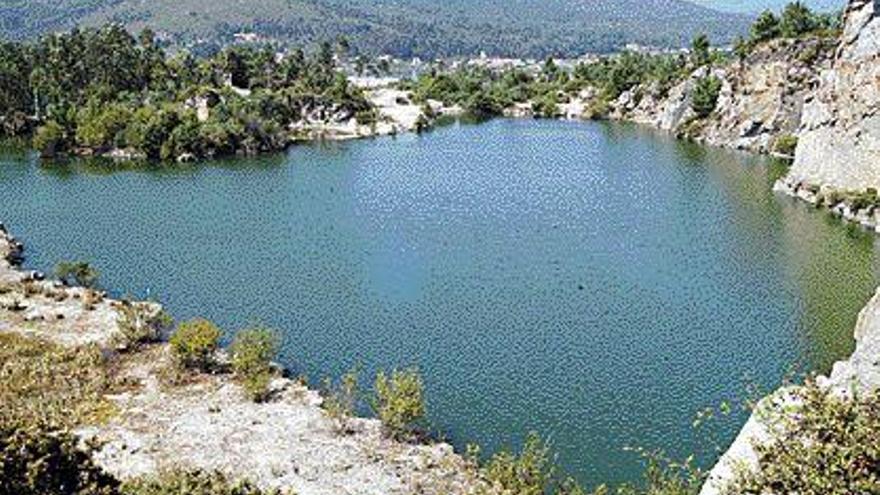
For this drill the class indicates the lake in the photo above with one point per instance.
(597, 283)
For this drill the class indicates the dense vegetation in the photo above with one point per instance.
(423, 28)
(824, 444)
(99, 90)
(484, 92)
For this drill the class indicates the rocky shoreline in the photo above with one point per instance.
(206, 422)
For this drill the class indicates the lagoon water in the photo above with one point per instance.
(596, 283)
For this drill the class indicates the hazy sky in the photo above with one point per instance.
(759, 5)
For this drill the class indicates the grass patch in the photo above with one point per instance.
(44, 383)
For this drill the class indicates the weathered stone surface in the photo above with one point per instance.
(840, 135)
(762, 97)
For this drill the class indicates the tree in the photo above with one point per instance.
(700, 46)
(77, 272)
(797, 19)
(705, 96)
(766, 27)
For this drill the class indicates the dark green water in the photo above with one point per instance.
(596, 283)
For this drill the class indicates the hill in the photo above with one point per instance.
(425, 28)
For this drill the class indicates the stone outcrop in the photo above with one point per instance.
(839, 143)
(762, 97)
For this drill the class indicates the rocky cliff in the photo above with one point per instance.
(839, 145)
(762, 97)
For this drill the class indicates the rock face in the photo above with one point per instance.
(762, 97)
(860, 372)
(839, 143)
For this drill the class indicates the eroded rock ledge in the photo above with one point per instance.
(206, 422)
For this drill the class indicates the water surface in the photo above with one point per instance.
(596, 283)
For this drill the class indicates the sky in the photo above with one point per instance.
(759, 5)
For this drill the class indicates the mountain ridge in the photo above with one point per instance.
(405, 28)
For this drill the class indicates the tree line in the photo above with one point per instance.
(96, 90)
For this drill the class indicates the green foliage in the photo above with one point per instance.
(700, 54)
(705, 96)
(786, 144)
(797, 20)
(100, 125)
(192, 483)
(252, 353)
(399, 402)
(422, 28)
(546, 106)
(529, 473)
(42, 383)
(341, 401)
(139, 323)
(766, 27)
(96, 90)
(194, 343)
(662, 477)
(77, 272)
(50, 139)
(37, 462)
(823, 444)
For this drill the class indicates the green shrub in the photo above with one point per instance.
(597, 109)
(826, 445)
(399, 401)
(797, 20)
(50, 139)
(39, 462)
(45, 383)
(529, 473)
(546, 106)
(192, 483)
(77, 272)
(766, 27)
(139, 323)
(252, 353)
(340, 402)
(786, 145)
(705, 96)
(194, 343)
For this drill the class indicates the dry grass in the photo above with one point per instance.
(44, 383)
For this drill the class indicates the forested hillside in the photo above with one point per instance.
(424, 28)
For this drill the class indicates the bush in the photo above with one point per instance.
(45, 383)
(252, 353)
(796, 20)
(700, 50)
(192, 483)
(399, 401)
(766, 27)
(826, 445)
(194, 343)
(77, 273)
(340, 402)
(529, 473)
(705, 96)
(546, 106)
(140, 323)
(38, 462)
(786, 145)
(49, 139)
